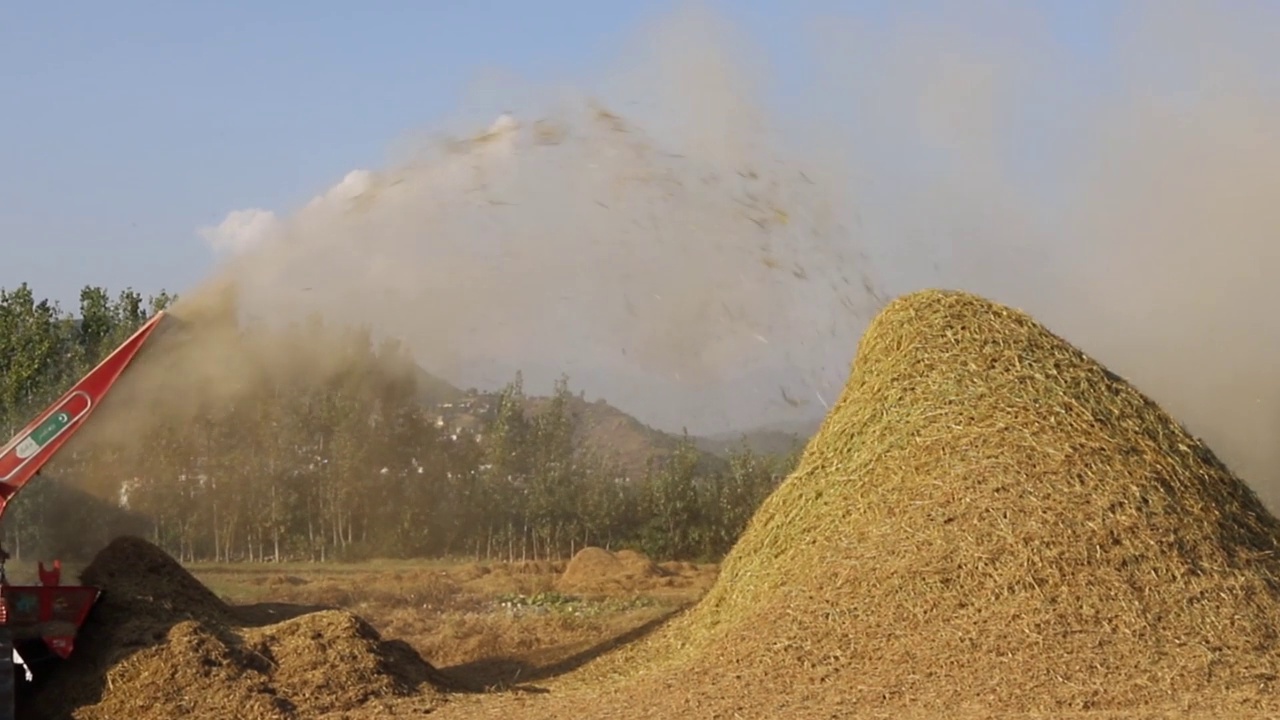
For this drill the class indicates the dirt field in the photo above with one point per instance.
(485, 626)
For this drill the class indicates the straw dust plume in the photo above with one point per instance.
(670, 257)
(685, 251)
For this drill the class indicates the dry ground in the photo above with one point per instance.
(486, 626)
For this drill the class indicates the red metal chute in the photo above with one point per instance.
(31, 448)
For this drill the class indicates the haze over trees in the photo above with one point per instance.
(365, 459)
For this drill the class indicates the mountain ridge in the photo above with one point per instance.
(611, 432)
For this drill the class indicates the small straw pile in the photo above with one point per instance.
(595, 569)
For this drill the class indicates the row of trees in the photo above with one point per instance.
(321, 445)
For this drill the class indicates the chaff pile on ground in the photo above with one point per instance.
(162, 645)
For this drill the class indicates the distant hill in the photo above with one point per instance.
(761, 442)
(433, 390)
(602, 429)
(613, 434)
(774, 439)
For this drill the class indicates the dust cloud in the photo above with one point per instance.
(701, 257)
(676, 258)
(1126, 195)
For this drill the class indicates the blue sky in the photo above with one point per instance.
(129, 125)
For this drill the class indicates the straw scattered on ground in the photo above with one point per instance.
(989, 523)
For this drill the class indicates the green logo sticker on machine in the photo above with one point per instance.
(49, 429)
(44, 432)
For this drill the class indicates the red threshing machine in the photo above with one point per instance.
(43, 620)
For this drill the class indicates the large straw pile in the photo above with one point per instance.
(161, 645)
(988, 522)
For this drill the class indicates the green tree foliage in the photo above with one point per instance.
(343, 459)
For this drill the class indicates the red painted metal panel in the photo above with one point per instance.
(54, 614)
